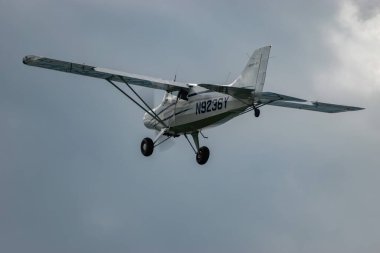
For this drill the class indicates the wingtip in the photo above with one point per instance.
(352, 109)
(25, 59)
(29, 58)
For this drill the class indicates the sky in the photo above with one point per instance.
(72, 178)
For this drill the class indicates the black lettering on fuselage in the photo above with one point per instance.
(203, 106)
(214, 104)
(211, 105)
(208, 105)
(225, 101)
(220, 103)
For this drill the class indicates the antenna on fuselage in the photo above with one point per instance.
(175, 74)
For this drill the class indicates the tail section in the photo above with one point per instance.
(253, 75)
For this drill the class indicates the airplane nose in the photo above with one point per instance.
(148, 121)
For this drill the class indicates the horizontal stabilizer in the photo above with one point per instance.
(316, 106)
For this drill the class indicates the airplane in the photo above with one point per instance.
(188, 108)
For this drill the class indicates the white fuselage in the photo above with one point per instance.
(203, 108)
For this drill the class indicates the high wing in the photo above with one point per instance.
(103, 73)
(275, 99)
(263, 98)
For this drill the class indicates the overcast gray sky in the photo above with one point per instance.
(72, 178)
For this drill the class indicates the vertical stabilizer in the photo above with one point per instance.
(253, 75)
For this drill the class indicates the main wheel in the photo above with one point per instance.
(257, 112)
(147, 146)
(203, 155)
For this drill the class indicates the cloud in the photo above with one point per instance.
(352, 39)
(367, 8)
(73, 178)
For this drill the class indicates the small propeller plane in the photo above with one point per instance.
(187, 108)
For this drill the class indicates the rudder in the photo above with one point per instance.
(253, 75)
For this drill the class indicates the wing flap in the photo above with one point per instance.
(245, 93)
(103, 73)
(265, 97)
(237, 92)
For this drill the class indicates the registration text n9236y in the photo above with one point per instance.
(211, 105)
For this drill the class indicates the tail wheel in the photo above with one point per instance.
(203, 155)
(147, 146)
(257, 112)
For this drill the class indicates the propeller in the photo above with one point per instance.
(148, 95)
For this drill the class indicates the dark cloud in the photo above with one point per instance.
(367, 8)
(72, 178)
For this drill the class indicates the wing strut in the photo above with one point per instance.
(149, 110)
(195, 142)
(142, 100)
(156, 141)
(195, 139)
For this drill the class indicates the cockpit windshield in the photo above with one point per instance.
(180, 95)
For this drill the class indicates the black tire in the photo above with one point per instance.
(203, 155)
(147, 146)
(257, 112)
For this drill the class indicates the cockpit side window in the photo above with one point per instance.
(182, 94)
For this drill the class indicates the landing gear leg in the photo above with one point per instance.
(147, 146)
(202, 153)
